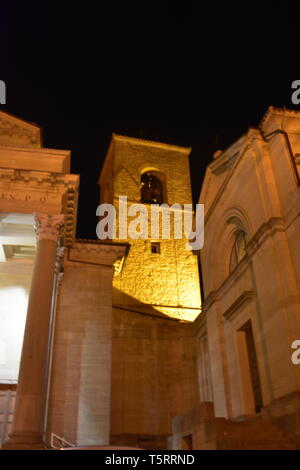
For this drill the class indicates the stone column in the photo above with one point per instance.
(58, 277)
(28, 416)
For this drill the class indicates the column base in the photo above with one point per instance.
(24, 441)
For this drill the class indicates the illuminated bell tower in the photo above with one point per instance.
(158, 276)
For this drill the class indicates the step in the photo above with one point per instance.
(253, 433)
(252, 429)
(236, 444)
(260, 433)
(260, 438)
(259, 430)
(251, 424)
(256, 437)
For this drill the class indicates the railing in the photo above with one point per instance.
(58, 442)
(7, 404)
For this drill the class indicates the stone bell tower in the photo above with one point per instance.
(159, 276)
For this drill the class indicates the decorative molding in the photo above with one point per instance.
(151, 143)
(15, 127)
(199, 327)
(48, 227)
(70, 211)
(46, 178)
(98, 246)
(245, 297)
(59, 259)
(278, 111)
(59, 279)
(96, 254)
(210, 299)
(59, 270)
(35, 159)
(35, 189)
(224, 185)
(274, 224)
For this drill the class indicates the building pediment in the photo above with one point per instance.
(223, 166)
(18, 133)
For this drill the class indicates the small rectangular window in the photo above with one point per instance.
(155, 248)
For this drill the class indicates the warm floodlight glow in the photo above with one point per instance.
(184, 314)
(13, 301)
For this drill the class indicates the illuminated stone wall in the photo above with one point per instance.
(15, 278)
(166, 283)
(153, 356)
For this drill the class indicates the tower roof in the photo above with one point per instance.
(152, 143)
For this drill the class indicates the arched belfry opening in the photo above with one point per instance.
(152, 190)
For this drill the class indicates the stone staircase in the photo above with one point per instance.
(199, 429)
(252, 433)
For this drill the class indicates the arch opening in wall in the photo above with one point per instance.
(152, 188)
(219, 246)
(239, 249)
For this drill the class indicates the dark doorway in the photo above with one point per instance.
(253, 365)
(187, 442)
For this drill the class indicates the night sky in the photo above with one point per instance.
(174, 72)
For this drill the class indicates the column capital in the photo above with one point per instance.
(48, 226)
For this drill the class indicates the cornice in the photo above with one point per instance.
(96, 255)
(199, 327)
(277, 110)
(244, 298)
(152, 143)
(66, 186)
(97, 246)
(274, 224)
(41, 150)
(36, 159)
(40, 177)
(100, 247)
(210, 299)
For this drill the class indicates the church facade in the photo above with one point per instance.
(117, 347)
(249, 329)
